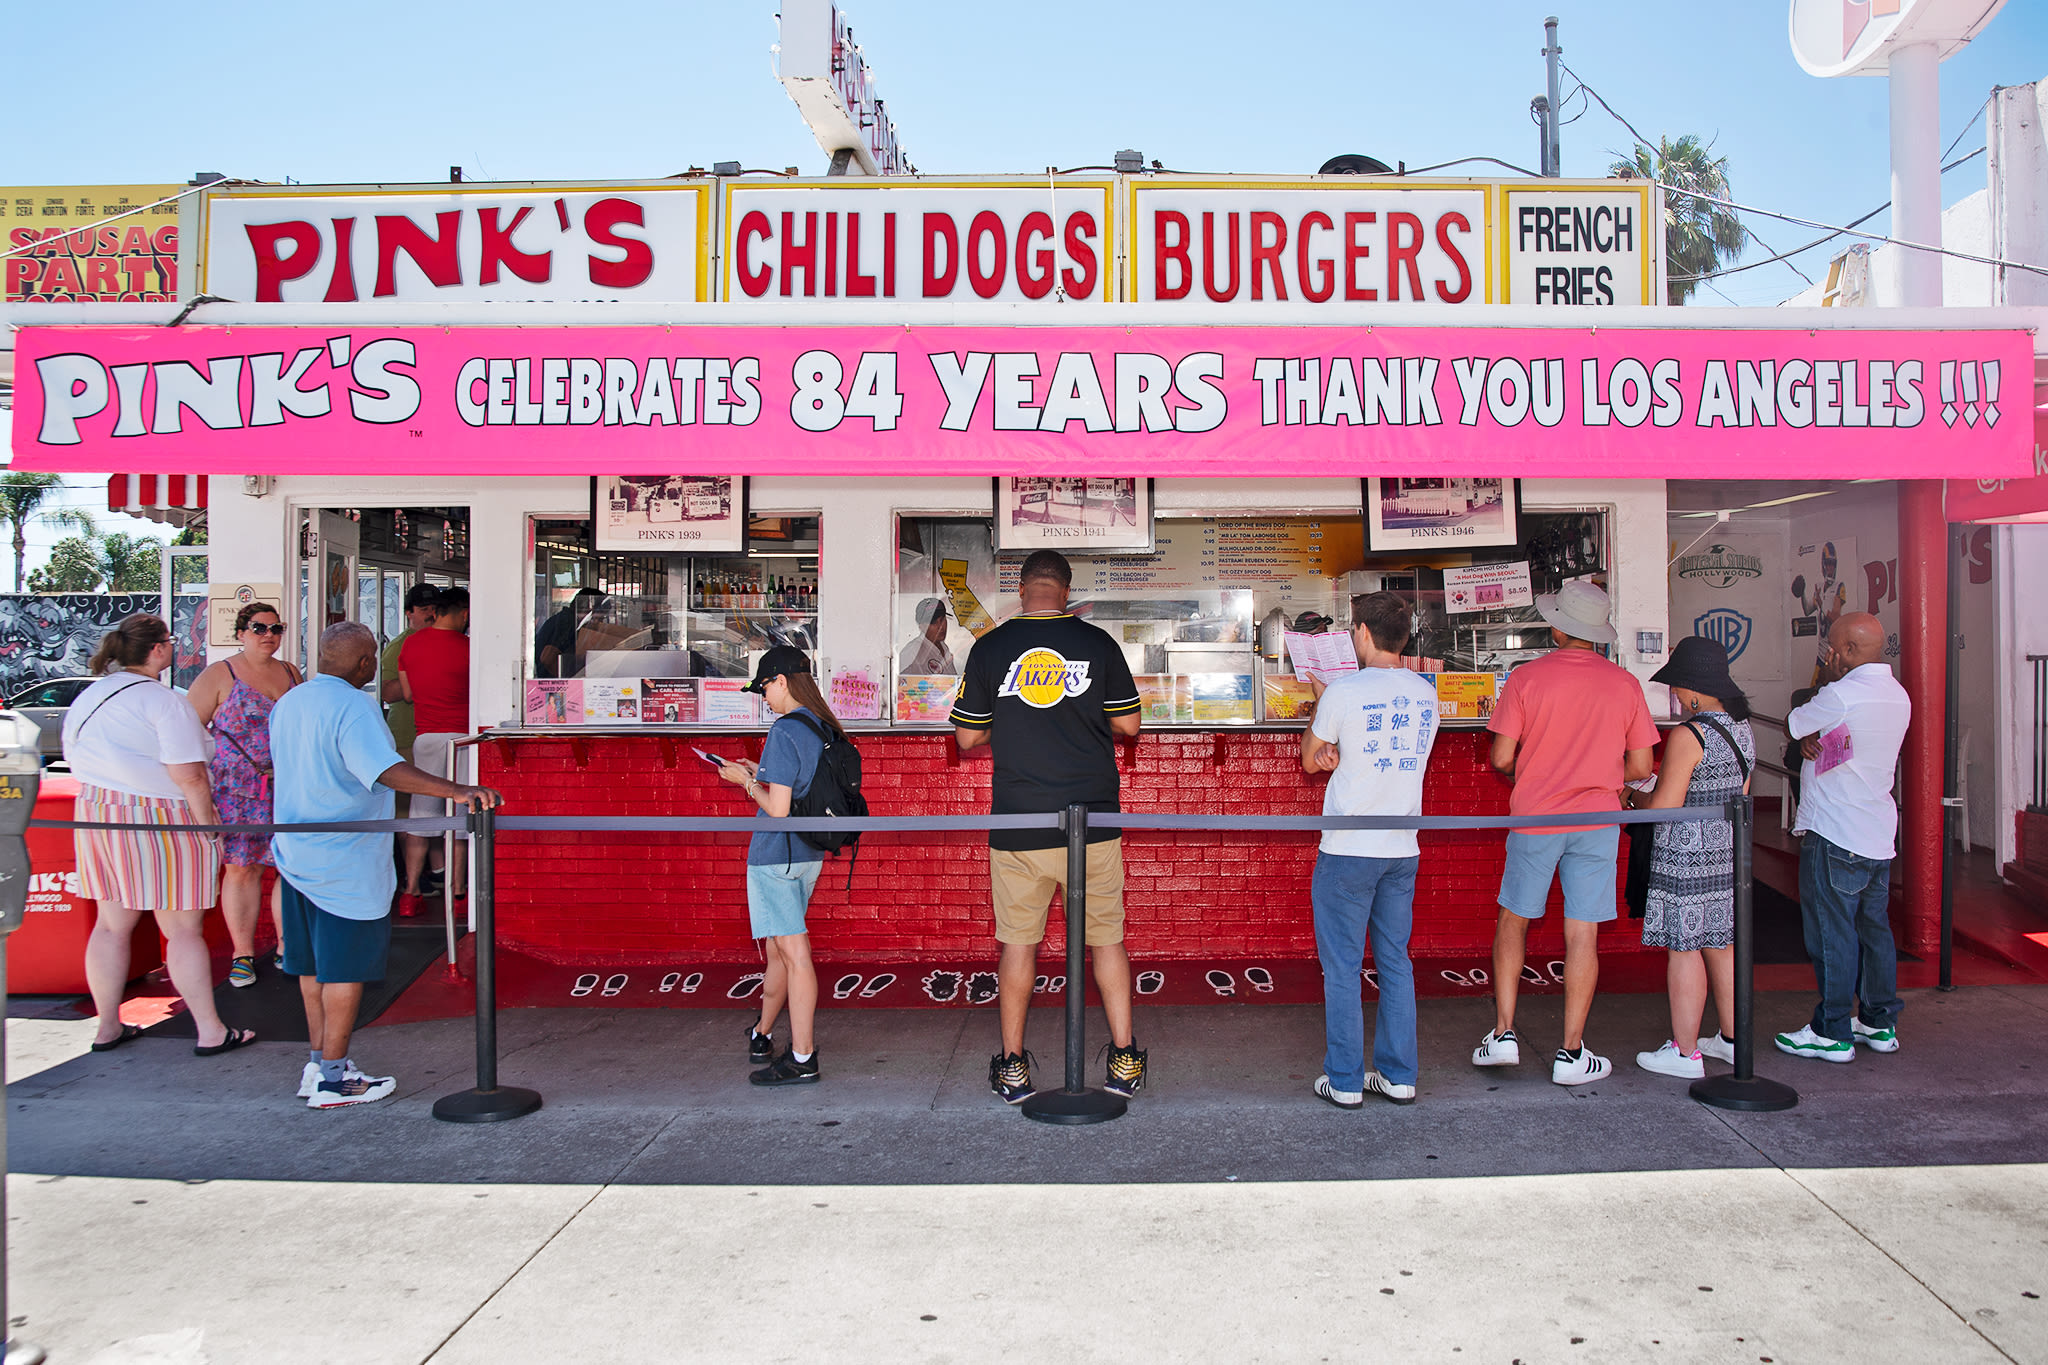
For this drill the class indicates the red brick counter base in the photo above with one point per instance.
(681, 898)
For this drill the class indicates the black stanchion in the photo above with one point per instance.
(1076, 1103)
(1745, 1089)
(487, 1102)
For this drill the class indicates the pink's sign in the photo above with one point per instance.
(1094, 400)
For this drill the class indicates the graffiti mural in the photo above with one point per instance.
(54, 635)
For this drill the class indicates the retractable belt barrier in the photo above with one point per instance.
(488, 1101)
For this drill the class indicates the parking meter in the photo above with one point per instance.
(21, 776)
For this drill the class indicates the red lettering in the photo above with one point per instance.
(21, 237)
(135, 239)
(275, 268)
(1080, 282)
(498, 250)
(802, 256)
(1034, 285)
(1403, 253)
(1268, 257)
(1354, 252)
(106, 241)
(1326, 267)
(1175, 251)
(61, 277)
(632, 268)
(754, 282)
(989, 224)
(21, 273)
(831, 255)
(938, 228)
(1209, 259)
(101, 276)
(341, 285)
(166, 239)
(888, 255)
(1443, 240)
(858, 286)
(435, 256)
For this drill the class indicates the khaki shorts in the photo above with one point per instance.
(1022, 886)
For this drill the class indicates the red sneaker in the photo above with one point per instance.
(411, 906)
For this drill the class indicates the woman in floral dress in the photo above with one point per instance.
(233, 699)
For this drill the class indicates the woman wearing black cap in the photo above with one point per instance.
(1691, 904)
(782, 869)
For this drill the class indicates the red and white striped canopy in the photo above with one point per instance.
(174, 499)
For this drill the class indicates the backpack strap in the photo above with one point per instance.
(103, 704)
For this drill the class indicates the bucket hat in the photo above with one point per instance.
(1580, 610)
(1699, 665)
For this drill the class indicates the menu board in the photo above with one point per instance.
(1206, 554)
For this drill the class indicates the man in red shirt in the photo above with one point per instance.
(433, 673)
(1569, 730)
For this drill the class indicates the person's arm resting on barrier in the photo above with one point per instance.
(367, 752)
(404, 777)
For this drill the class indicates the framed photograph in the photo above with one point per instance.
(697, 513)
(1441, 514)
(1056, 512)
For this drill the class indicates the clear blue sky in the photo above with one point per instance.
(518, 90)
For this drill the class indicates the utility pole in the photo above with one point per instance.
(1553, 145)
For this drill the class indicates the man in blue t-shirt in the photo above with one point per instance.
(1050, 694)
(333, 760)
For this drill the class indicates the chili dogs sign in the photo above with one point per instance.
(1102, 401)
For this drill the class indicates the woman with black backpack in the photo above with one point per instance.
(782, 868)
(1690, 906)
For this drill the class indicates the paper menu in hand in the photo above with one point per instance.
(1836, 748)
(1325, 656)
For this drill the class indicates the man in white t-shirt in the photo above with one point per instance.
(1852, 731)
(1372, 733)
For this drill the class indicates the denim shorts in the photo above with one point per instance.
(777, 896)
(1583, 861)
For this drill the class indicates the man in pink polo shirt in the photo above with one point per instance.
(1569, 730)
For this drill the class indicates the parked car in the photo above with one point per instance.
(46, 704)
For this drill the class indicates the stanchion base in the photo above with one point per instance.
(1755, 1094)
(1074, 1106)
(486, 1106)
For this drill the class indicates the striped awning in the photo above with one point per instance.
(174, 499)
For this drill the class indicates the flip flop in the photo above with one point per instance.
(129, 1033)
(237, 1037)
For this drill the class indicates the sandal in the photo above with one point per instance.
(129, 1033)
(242, 972)
(237, 1037)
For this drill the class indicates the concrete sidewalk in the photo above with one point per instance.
(660, 1208)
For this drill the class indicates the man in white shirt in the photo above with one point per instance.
(1372, 733)
(928, 654)
(1851, 733)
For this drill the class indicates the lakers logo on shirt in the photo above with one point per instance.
(1043, 678)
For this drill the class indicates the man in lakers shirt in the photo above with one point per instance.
(1049, 693)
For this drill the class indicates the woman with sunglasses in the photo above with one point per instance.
(233, 699)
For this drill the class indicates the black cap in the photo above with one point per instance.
(1699, 665)
(780, 660)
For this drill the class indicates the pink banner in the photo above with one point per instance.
(1101, 400)
(2005, 499)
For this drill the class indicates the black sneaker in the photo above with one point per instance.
(786, 1070)
(1009, 1076)
(1126, 1071)
(760, 1046)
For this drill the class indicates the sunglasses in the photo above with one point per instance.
(258, 628)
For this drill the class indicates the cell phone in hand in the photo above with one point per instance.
(713, 759)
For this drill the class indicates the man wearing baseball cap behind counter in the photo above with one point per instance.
(1570, 728)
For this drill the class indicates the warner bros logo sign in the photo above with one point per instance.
(1727, 628)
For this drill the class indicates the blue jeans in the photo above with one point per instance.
(1842, 897)
(1354, 897)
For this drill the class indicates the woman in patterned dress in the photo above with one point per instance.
(233, 699)
(1691, 909)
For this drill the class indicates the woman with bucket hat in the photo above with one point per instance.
(1690, 907)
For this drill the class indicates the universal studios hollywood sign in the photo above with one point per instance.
(1720, 567)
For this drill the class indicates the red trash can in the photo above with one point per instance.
(46, 956)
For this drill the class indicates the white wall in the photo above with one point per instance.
(251, 543)
(2020, 629)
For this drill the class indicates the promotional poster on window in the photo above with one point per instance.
(696, 513)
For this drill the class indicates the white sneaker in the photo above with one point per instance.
(309, 1079)
(1876, 1039)
(1721, 1049)
(351, 1090)
(1588, 1067)
(1807, 1043)
(1377, 1084)
(1343, 1099)
(1498, 1049)
(1669, 1061)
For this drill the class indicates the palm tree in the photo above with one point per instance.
(1698, 235)
(128, 563)
(21, 502)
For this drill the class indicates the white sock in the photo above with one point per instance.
(801, 1056)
